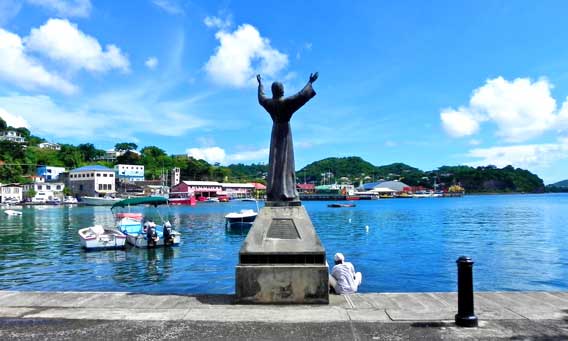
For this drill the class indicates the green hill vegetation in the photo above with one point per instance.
(18, 160)
(560, 186)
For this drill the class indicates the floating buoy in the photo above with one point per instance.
(367, 228)
(349, 220)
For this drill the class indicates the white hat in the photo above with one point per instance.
(339, 257)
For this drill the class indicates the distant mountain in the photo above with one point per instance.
(563, 183)
(336, 167)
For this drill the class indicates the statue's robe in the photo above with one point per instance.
(281, 183)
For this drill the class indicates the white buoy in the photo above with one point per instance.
(367, 228)
(349, 220)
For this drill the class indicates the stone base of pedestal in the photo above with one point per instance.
(282, 284)
(282, 260)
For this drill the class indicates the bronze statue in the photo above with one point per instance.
(281, 184)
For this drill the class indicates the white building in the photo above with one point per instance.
(11, 135)
(129, 172)
(49, 145)
(50, 173)
(45, 191)
(94, 181)
(11, 193)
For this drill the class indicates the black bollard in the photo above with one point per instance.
(465, 316)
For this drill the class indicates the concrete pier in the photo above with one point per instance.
(362, 316)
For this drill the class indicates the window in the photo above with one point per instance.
(98, 174)
(105, 175)
(100, 187)
(39, 188)
(111, 175)
(47, 187)
(93, 175)
(58, 187)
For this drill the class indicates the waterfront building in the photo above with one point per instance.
(129, 172)
(237, 190)
(12, 136)
(386, 186)
(11, 193)
(49, 145)
(92, 180)
(44, 191)
(198, 189)
(306, 188)
(49, 173)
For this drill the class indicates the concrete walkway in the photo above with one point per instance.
(501, 315)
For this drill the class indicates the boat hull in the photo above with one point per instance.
(109, 240)
(94, 201)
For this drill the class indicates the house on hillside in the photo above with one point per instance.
(94, 181)
(306, 188)
(12, 136)
(49, 145)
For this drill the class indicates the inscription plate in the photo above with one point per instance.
(282, 229)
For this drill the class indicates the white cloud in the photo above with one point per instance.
(209, 154)
(48, 118)
(21, 70)
(523, 156)
(241, 54)
(458, 123)
(216, 22)
(151, 63)
(251, 155)
(62, 41)
(13, 120)
(169, 6)
(218, 154)
(66, 8)
(521, 110)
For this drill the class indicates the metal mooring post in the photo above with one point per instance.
(465, 316)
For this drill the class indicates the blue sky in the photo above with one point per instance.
(428, 84)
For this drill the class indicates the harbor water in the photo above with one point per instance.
(518, 242)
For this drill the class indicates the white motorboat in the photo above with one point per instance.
(70, 200)
(99, 201)
(147, 234)
(99, 238)
(242, 219)
(13, 212)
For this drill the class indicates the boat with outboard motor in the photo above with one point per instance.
(141, 231)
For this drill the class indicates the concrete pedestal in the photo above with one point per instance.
(282, 260)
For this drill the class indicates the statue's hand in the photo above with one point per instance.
(313, 77)
(258, 79)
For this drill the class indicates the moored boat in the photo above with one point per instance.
(341, 205)
(13, 212)
(145, 234)
(99, 201)
(99, 238)
(242, 219)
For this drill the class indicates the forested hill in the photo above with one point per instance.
(473, 179)
(563, 183)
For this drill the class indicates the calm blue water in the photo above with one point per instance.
(518, 242)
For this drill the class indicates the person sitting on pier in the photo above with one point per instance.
(343, 278)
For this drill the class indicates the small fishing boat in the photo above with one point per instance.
(13, 212)
(340, 205)
(242, 219)
(99, 238)
(142, 232)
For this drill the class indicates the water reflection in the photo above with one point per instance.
(518, 243)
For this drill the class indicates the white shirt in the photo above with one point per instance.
(344, 273)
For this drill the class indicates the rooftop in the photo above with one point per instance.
(92, 168)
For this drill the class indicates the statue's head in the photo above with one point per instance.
(277, 90)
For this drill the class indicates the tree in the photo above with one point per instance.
(70, 156)
(125, 146)
(3, 124)
(89, 152)
(129, 158)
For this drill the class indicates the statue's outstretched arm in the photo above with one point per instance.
(296, 101)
